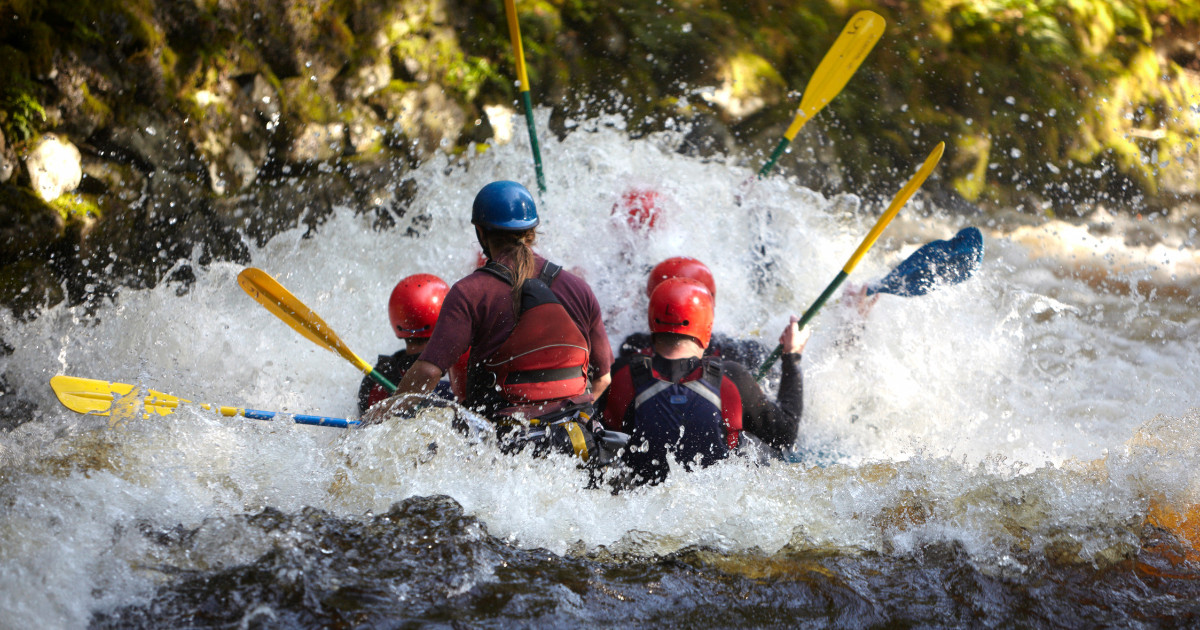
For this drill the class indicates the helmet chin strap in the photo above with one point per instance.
(482, 242)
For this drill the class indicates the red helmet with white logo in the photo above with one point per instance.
(681, 267)
(415, 304)
(682, 306)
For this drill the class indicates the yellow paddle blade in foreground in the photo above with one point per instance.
(120, 401)
(98, 398)
(268, 292)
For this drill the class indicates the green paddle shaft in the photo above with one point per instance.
(807, 317)
(382, 380)
(780, 149)
(527, 103)
(893, 209)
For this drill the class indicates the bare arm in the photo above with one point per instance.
(601, 384)
(421, 378)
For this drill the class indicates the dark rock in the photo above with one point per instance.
(28, 227)
(707, 137)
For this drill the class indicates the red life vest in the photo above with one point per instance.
(544, 359)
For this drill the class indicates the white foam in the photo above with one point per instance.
(948, 416)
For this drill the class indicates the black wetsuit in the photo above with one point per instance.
(748, 352)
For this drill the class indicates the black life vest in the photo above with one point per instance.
(393, 368)
(681, 419)
(544, 359)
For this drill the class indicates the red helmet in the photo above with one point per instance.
(682, 306)
(681, 267)
(415, 304)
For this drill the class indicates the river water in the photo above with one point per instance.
(1018, 450)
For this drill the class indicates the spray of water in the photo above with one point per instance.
(1023, 409)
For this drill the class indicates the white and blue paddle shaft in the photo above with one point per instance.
(105, 398)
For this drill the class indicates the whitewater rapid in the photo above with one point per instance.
(1019, 409)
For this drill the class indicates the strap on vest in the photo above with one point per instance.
(640, 370)
(498, 270)
(642, 373)
(541, 376)
(549, 272)
(713, 371)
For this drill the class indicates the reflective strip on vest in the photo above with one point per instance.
(696, 386)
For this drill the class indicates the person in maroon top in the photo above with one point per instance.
(677, 403)
(539, 353)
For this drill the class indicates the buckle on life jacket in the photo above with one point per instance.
(562, 427)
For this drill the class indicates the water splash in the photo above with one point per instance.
(1020, 415)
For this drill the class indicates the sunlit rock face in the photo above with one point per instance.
(54, 167)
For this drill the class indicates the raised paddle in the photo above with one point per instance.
(936, 263)
(268, 292)
(898, 202)
(514, 32)
(839, 64)
(122, 400)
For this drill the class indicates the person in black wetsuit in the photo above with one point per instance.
(413, 309)
(676, 402)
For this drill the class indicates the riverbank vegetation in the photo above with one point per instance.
(195, 122)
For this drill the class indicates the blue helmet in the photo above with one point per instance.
(506, 206)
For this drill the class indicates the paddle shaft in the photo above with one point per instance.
(893, 209)
(96, 397)
(775, 155)
(256, 414)
(267, 291)
(514, 32)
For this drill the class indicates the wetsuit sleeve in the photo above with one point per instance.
(616, 401)
(370, 392)
(776, 424)
(452, 334)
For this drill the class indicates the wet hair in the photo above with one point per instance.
(515, 251)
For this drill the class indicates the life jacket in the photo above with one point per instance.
(544, 359)
(682, 419)
(393, 368)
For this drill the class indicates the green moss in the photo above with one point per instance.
(21, 110)
(77, 207)
(973, 151)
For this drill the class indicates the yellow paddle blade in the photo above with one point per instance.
(898, 202)
(102, 398)
(268, 292)
(839, 64)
